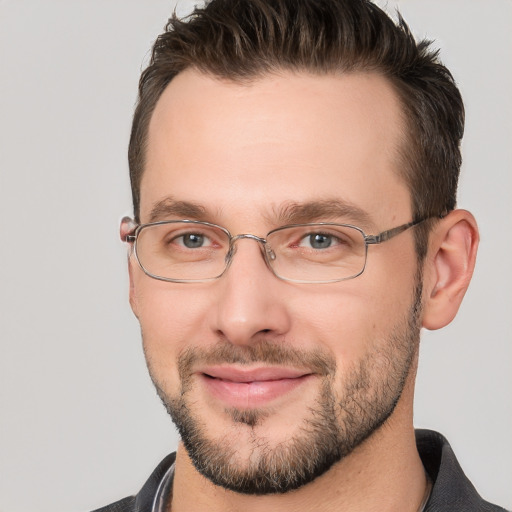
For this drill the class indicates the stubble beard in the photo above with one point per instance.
(333, 427)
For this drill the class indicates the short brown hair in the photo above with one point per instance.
(241, 40)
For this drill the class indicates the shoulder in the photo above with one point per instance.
(452, 491)
(143, 501)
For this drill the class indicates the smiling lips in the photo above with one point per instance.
(254, 387)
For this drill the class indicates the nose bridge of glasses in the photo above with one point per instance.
(248, 235)
(265, 248)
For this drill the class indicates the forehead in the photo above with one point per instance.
(278, 139)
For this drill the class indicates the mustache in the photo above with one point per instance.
(263, 352)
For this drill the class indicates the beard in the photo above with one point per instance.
(339, 420)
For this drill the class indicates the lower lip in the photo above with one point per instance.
(251, 394)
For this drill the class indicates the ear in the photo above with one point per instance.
(127, 228)
(133, 294)
(448, 267)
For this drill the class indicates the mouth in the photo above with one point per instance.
(253, 387)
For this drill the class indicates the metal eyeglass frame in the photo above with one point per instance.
(268, 253)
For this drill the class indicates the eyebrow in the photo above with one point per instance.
(170, 207)
(322, 210)
(289, 213)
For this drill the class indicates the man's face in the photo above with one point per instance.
(271, 382)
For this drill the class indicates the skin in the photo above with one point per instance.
(241, 152)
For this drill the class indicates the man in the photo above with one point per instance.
(294, 166)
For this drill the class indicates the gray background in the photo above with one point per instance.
(80, 424)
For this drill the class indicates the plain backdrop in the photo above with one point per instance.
(80, 423)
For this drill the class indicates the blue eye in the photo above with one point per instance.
(320, 241)
(192, 240)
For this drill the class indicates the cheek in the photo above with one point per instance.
(171, 317)
(337, 319)
(352, 318)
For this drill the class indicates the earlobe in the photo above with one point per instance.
(449, 267)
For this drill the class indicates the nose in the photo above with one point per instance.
(250, 303)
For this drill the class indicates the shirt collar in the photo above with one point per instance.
(164, 491)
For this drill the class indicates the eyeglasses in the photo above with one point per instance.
(188, 251)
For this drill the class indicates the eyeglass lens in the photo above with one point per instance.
(306, 253)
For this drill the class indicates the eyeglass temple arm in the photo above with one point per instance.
(390, 233)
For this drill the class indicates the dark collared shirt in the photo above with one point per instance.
(451, 491)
